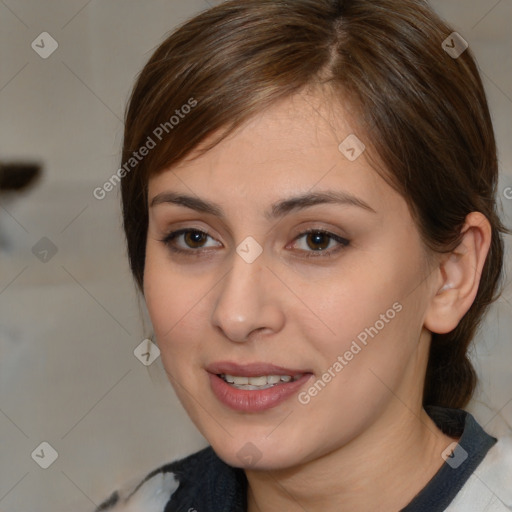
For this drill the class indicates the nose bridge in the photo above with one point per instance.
(244, 302)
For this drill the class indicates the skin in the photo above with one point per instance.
(363, 442)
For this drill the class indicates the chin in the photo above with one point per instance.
(259, 453)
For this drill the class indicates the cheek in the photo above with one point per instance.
(355, 296)
(370, 312)
(178, 304)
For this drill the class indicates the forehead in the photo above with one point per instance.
(296, 146)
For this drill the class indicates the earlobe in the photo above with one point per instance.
(459, 273)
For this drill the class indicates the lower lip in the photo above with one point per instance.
(254, 400)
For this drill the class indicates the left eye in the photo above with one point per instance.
(319, 241)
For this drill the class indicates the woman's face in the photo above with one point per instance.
(320, 334)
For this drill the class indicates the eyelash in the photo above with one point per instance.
(343, 242)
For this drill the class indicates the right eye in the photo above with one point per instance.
(192, 240)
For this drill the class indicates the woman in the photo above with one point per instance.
(308, 199)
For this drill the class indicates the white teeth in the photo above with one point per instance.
(240, 380)
(260, 382)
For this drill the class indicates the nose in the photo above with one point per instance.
(248, 301)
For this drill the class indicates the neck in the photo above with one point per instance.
(383, 470)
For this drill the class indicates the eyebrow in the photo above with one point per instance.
(278, 209)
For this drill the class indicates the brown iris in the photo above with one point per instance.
(318, 241)
(195, 239)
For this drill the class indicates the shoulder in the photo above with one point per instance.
(490, 487)
(157, 488)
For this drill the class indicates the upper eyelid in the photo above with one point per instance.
(190, 225)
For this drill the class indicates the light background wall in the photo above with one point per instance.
(69, 326)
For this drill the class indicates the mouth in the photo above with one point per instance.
(254, 387)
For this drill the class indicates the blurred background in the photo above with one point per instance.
(80, 414)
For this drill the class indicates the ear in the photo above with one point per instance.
(459, 276)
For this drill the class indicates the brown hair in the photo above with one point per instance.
(423, 112)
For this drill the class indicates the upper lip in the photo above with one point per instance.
(251, 369)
